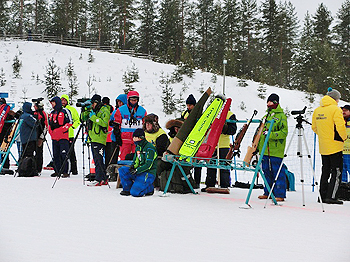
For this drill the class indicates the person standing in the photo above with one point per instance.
(129, 117)
(28, 131)
(328, 123)
(346, 149)
(42, 128)
(76, 124)
(137, 180)
(274, 153)
(60, 120)
(97, 121)
(190, 103)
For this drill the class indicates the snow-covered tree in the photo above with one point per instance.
(2, 77)
(52, 79)
(16, 66)
(72, 82)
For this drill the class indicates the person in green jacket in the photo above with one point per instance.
(274, 153)
(97, 118)
(76, 123)
(137, 180)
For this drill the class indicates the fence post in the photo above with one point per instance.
(61, 39)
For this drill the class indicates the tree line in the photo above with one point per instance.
(264, 43)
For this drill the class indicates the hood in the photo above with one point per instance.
(27, 108)
(328, 101)
(133, 94)
(58, 102)
(123, 98)
(65, 97)
(174, 122)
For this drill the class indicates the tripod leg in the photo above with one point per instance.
(313, 171)
(300, 155)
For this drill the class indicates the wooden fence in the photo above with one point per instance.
(78, 42)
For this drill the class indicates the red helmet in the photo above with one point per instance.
(133, 94)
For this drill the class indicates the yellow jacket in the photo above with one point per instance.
(328, 123)
(346, 150)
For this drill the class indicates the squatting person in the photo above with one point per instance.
(137, 180)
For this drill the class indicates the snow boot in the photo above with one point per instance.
(125, 193)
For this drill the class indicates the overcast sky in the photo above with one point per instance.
(302, 6)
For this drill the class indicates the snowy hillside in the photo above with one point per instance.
(73, 222)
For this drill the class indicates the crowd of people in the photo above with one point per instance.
(128, 132)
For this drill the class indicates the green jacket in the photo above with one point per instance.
(145, 158)
(75, 117)
(278, 135)
(99, 124)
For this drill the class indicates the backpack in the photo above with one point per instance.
(178, 183)
(27, 167)
(344, 191)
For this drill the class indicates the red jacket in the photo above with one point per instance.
(59, 123)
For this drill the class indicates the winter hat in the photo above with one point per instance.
(153, 119)
(335, 94)
(346, 107)
(139, 133)
(58, 102)
(96, 98)
(174, 123)
(191, 100)
(273, 98)
(133, 94)
(105, 100)
(123, 98)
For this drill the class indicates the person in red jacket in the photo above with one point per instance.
(42, 127)
(60, 120)
(128, 118)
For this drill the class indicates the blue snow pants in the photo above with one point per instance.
(138, 184)
(270, 166)
(346, 167)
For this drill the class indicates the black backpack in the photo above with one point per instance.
(27, 167)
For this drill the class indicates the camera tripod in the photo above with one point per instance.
(301, 137)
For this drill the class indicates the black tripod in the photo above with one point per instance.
(84, 129)
(301, 137)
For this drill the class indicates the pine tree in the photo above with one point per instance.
(321, 24)
(167, 97)
(52, 80)
(72, 82)
(4, 16)
(2, 77)
(16, 66)
(130, 76)
(147, 29)
(91, 58)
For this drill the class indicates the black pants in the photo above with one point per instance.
(72, 157)
(39, 157)
(225, 181)
(60, 151)
(332, 166)
(97, 153)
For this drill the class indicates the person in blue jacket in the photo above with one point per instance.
(137, 180)
(28, 131)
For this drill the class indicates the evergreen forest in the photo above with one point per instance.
(262, 42)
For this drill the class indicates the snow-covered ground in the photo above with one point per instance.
(73, 222)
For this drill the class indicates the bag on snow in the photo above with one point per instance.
(178, 183)
(344, 191)
(27, 167)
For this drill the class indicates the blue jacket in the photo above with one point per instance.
(28, 132)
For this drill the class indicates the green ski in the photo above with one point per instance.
(197, 135)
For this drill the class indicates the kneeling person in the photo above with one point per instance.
(137, 180)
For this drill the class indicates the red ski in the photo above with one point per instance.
(207, 148)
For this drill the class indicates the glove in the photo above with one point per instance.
(132, 170)
(92, 113)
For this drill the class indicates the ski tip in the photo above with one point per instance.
(221, 96)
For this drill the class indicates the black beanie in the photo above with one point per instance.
(105, 100)
(96, 98)
(273, 98)
(190, 100)
(139, 133)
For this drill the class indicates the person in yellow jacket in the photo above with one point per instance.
(157, 136)
(346, 149)
(76, 123)
(328, 123)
